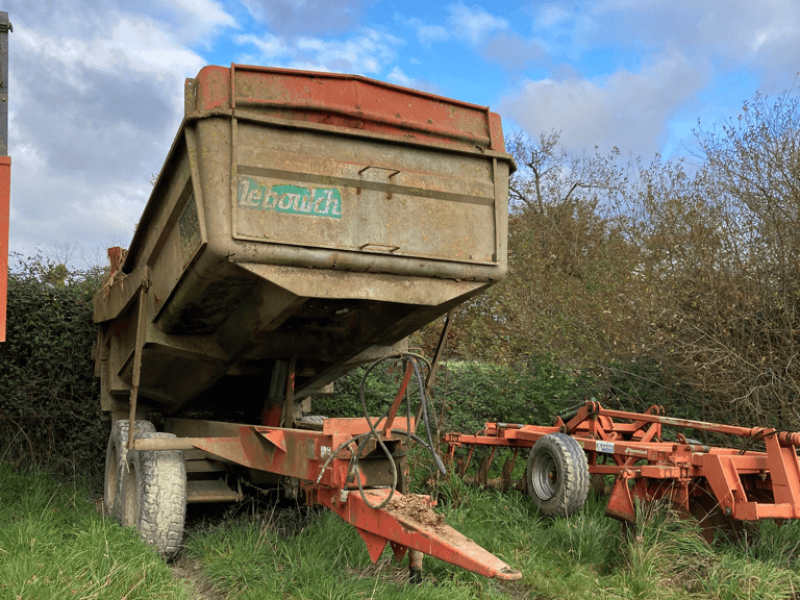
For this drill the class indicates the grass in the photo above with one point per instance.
(586, 556)
(54, 545)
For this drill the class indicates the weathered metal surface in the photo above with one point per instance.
(407, 522)
(210, 490)
(5, 170)
(744, 484)
(5, 196)
(345, 101)
(420, 529)
(320, 216)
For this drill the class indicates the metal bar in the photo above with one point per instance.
(177, 443)
(689, 424)
(448, 322)
(141, 322)
(387, 428)
(288, 407)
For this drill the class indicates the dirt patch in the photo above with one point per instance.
(191, 572)
(417, 510)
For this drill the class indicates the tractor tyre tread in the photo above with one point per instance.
(572, 475)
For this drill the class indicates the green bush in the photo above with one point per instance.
(49, 400)
(468, 393)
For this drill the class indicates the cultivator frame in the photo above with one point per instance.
(720, 486)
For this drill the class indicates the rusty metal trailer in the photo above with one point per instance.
(720, 487)
(303, 224)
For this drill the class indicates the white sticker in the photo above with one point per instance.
(605, 447)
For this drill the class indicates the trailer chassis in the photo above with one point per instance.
(355, 467)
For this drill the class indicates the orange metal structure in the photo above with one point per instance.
(718, 486)
(5, 194)
(5, 170)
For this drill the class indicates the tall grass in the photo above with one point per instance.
(54, 546)
(585, 556)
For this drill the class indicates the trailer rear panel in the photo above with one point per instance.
(314, 216)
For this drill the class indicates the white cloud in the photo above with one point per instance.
(397, 76)
(271, 47)
(367, 53)
(737, 30)
(427, 34)
(207, 12)
(511, 50)
(94, 111)
(198, 20)
(551, 15)
(627, 110)
(473, 24)
(306, 17)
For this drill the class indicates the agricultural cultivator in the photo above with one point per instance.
(303, 224)
(720, 487)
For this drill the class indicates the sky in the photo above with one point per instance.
(96, 86)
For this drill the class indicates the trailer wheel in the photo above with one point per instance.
(154, 495)
(557, 475)
(115, 463)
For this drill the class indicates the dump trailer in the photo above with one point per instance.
(303, 224)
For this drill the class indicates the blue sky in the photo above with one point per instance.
(96, 85)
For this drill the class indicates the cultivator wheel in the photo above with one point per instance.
(557, 475)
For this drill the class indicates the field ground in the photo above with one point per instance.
(55, 545)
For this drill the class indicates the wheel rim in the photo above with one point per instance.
(545, 477)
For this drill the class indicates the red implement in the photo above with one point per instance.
(737, 482)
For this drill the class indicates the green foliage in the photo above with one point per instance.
(49, 406)
(467, 394)
(474, 393)
(53, 544)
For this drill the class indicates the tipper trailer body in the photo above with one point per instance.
(303, 224)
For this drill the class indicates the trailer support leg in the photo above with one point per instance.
(288, 408)
(415, 566)
(141, 322)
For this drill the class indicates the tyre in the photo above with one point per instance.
(115, 464)
(557, 475)
(154, 495)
